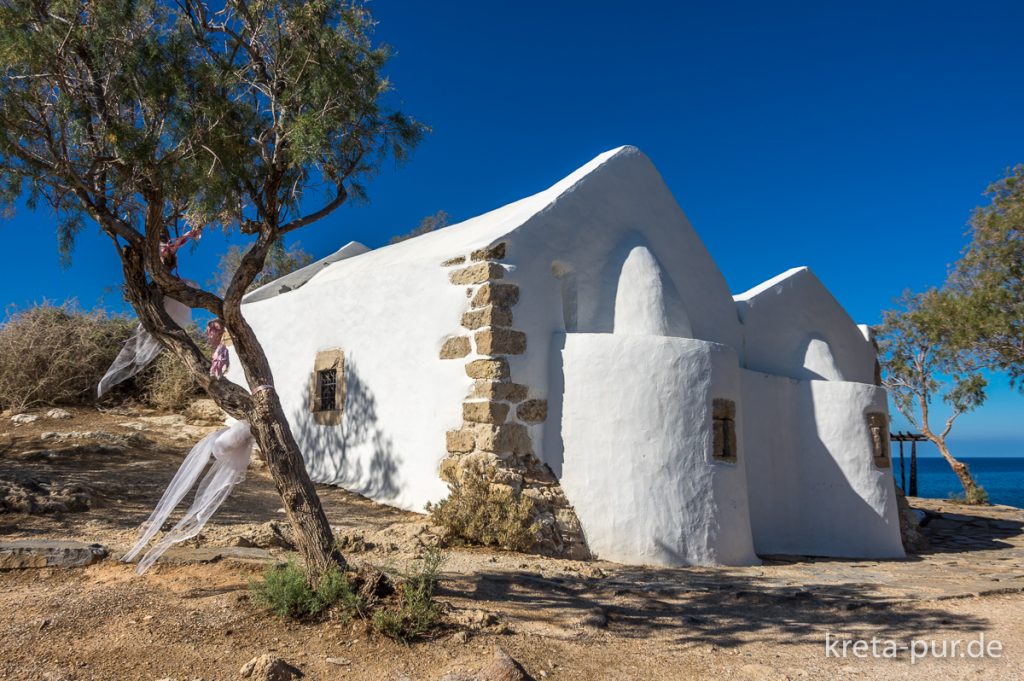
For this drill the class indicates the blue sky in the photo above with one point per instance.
(854, 138)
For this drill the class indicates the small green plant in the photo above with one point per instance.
(416, 612)
(976, 497)
(477, 511)
(285, 591)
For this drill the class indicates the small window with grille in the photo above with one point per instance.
(328, 380)
(723, 422)
(327, 387)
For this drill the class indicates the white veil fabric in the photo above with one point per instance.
(141, 349)
(230, 449)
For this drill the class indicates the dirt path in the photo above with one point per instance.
(189, 620)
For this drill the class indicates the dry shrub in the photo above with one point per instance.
(477, 511)
(168, 384)
(56, 354)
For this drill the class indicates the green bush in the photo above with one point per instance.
(977, 497)
(416, 613)
(56, 354)
(285, 591)
(480, 512)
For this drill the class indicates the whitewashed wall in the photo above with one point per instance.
(814, 487)
(638, 466)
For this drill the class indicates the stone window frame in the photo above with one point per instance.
(878, 432)
(724, 447)
(326, 360)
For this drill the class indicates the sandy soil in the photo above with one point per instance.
(190, 617)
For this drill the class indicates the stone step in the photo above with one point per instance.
(39, 553)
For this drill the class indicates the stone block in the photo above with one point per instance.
(493, 293)
(503, 438)
(454, 261)
(455, 347)
(495, 252)
(492, 315)
(40, 553)
(497, 341)
(489, 369)
(485, 411)
(460, 441)
(496, 390)
(532, 411)
(478, 273)
(449, 469)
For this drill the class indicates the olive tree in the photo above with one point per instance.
(148, 118)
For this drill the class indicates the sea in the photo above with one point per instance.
(1001, 476)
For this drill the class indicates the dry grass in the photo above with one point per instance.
(56, 354)
(168, 384)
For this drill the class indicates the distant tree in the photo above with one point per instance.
(919, 363)
(428, 224)
(148, 117)
(987, 284)
(280, 261)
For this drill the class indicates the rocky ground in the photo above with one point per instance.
(92, 477)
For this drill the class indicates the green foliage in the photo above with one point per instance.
(975, 496)
(438, 220)
(285, 590)
(920, 361)
(152, 115)
(477, 511)
(56, 354)
(280, 261)
(986, 288)
(416, 613)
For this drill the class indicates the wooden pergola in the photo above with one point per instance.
(913, 439)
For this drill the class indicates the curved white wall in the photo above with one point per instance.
(636, 425)
(814, 488)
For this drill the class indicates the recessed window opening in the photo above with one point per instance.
(723, 422)
(328, 384)
(878, 426)
(327, 387)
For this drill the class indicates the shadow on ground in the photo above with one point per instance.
(687, 607)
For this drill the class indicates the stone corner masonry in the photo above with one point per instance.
(497, 413)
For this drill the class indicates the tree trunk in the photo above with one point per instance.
(267, 421)
(961, 471)
(262, 409)
(313, 536)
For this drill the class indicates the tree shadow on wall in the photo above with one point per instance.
(357, 454)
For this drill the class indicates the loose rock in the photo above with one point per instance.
(269, 668)
(58, 414)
